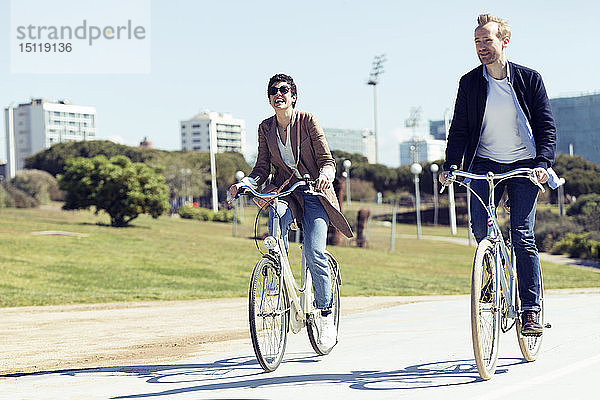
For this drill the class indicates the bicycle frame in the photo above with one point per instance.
(505, 262)
(300, 305)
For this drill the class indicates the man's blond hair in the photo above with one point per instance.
(503, 27)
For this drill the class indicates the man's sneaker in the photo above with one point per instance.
(530, 325)
(327, 331)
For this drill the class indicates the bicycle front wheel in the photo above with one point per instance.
(268, 311)
(313, 334)
(530, 345)
(485, 311)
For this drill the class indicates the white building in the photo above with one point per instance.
(228, 133)
(37, 125)
(421, 149)
(361, 141)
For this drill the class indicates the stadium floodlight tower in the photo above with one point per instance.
(374, 80)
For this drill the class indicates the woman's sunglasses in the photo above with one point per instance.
(282, 89)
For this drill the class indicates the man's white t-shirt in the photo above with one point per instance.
(500, 140)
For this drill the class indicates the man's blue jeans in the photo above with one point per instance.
(522, 196)
(314, 225)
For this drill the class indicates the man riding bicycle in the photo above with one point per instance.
(503, 121)
(293, 143)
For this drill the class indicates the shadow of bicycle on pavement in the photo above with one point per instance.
(244, 373)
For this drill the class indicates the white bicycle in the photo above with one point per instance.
(276, 303)
(495, 303)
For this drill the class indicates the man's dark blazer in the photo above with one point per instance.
(469, 109)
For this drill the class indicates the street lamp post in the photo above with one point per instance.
(373, 81)
(451, 203)
(416, 170)
(561, 197)
(434, 171)
(347, 164)
(394, 216)
(213, 166)
(239, 175)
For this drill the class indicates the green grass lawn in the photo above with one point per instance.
(172, 259)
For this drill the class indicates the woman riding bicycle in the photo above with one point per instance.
(280, 139)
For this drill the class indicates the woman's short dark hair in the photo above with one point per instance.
(283, 78)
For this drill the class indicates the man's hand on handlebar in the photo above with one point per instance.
(443, 178)
(541, 174)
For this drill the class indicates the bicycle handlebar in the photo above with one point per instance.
(246, 190)
(519, 172)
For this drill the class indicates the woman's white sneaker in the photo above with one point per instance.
(327, 331)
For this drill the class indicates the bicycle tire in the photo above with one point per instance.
(268, 312)
(485, 310)
(311, 328)
(530, 345)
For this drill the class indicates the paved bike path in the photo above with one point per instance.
(416, 351)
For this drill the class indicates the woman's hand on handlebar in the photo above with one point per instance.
(233, 189)
(233, 192)
(321, 183)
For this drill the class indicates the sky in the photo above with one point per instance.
(219, 55)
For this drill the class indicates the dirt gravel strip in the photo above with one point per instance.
(52, 338)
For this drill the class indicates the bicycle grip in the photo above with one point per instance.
(449, 179)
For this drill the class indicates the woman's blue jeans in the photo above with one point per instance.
(315, 222)
(522, 196)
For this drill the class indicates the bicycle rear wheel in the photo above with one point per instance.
(530, 345)
(268, 311)
(311, 327)
(485, 312)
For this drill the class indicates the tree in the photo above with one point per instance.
(184, 174)
(196, 183)
(53, 159)
(382, 177)
(119, 187)
(582, 176)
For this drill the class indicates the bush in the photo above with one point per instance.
(38, 184)
(223, 215)
(586, 204)
(204, 214)
(577, 245)
(402, 198)
(15, 197)
(190, 212)
(361, 190)
(3, 197)
(551, 228)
